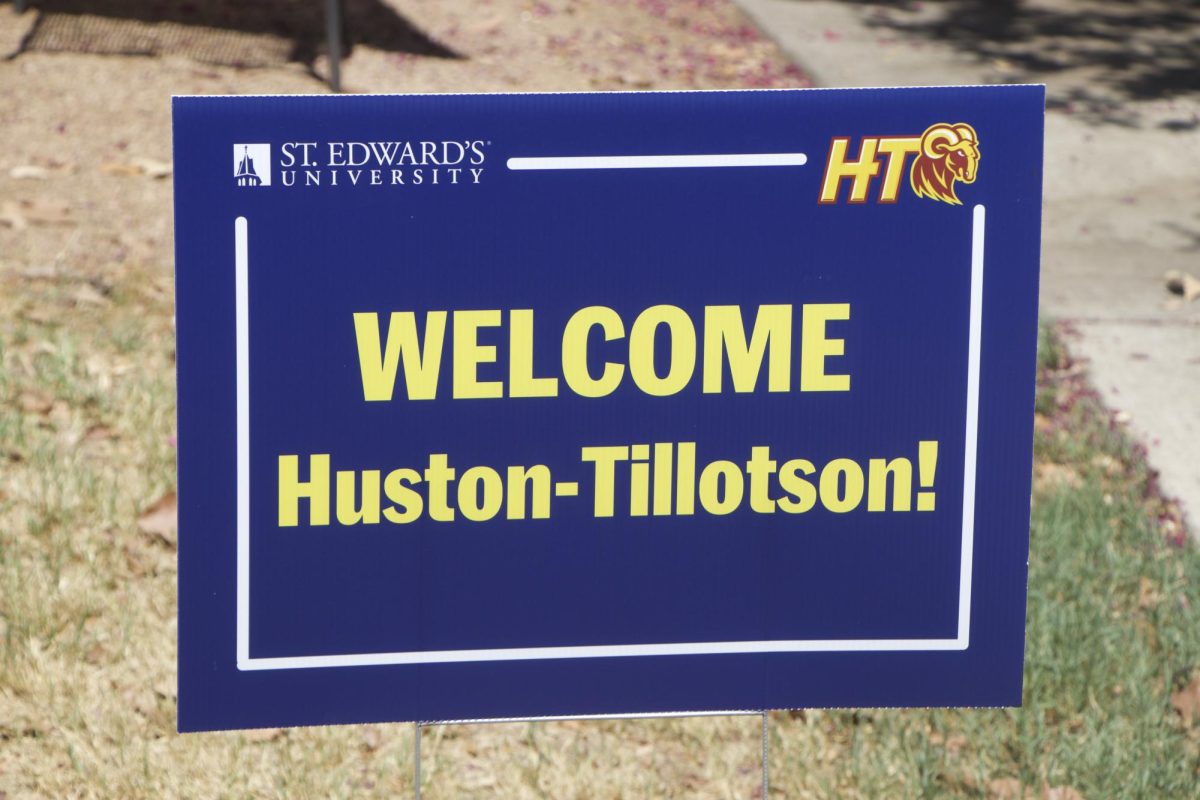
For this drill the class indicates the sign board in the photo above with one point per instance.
(577, 404)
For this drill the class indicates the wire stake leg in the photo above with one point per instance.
(417, 760)
(333, 32)
(766, 762)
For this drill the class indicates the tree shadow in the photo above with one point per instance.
(1192, 234)
(1096, 56)
(239, 33)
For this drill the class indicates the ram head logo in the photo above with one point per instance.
(948, 153)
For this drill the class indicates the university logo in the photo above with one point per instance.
(252, 164)
(943, 156)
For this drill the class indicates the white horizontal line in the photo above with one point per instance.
(601, 651)
(644, 162)
(573, 717)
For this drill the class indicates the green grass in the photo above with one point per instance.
(1112, 630)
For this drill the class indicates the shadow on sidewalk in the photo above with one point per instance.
(249, 33)
(1095, 55)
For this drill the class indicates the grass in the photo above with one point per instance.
(87, 630)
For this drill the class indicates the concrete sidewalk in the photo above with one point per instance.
(1122, 199)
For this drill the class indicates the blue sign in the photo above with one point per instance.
(576, 404)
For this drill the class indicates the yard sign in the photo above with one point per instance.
(577, 404)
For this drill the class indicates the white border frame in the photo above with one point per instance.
(245, 662)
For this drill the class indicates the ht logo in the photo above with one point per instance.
(944, 154)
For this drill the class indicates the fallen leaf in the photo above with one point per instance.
(99, 433)
(1050, 476)
(1148, 595)
(36, 316)
(1187, 701)
(485, 26)
(59, 417)
(35, 402)
(151, 168)
(138, 561)
(96, 654)
(120, 168)
(165, 688)
(372, 738)
(87, 295)
(10, 215)
(159, 521)
(1183, 284)
(263, 734)
(29, 172)
(46, 212)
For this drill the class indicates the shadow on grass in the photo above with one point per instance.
(253, 33)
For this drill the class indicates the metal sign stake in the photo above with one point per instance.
(417, 760)
(766, 762)
(333, 32)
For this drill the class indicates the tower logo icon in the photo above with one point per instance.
(252, 164)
